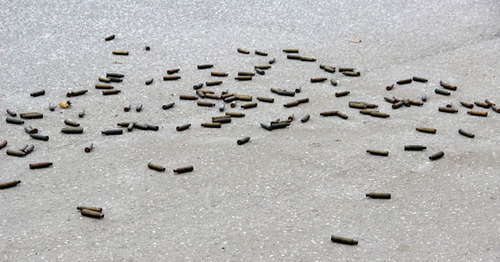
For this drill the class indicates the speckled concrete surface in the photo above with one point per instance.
(282, 195)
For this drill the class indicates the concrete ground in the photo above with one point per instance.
(282, 195)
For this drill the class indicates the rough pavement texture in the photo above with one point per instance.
(282, 195)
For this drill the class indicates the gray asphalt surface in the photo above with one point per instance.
(282, 195)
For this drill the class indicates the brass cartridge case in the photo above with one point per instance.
(437, 155)
(249, 105)
(112, 132)
(40, 137)
(71, 122)
(205, 103)
(265, 99)
(343, 93)
(213, 83)
(99, 86)
(89, 148)
(243, 51)
(211, 125)
(111, 92)
(38, 93)
(120, 52)
(109, 38)
(420, 79)
(185, 169)
(156, 167)
(91, 213)
(206, 66)
(478, 113)
(168, 105)
(170, 78)
(182, 127)
(343, 240)
(465, 133)
(378, 152)
(414, 147)
(349, 73)
(173, 71)
(379, 195)
(447, 86)
(261, 53)
(404, 81)
(426, 130)
(9, 184)
(305, 118)
(318, 79)
(222, 74)
(243, 140)
(188, 97)
(97, 209)
(40, 165)
(72, 130)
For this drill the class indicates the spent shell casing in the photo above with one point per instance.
(333, 82)
(303, 100)
(11, 113)
(279, 125)
(141, 126)
(115, 79)
(482, 104)
(447, 86)
(149, 81)
(415, 102)
(72, 130)
(249, 105)
(290, 50)
(185, 169)
(343, 93)
(419, 79)
(426, 130)
(263, 67)
(23, 148)
(222, 120)
(123, 124)
(465, 133)
(91, 213)
(120, 52)
(292, 104)
(38, 93)
(265, 99)
(221, 74)
(230, 99)
(211, 125)
(496, 108)
(329, 113)
(366, 111)
(97, 209)
(173, 71)
(77, 93)
(389, 88)
(397, 105)
(390, 100)
(3, 143)
(235, 114)
(71, 122)
(414, 147)
(213, 83)
(285, 93)
(343, 240)
(89, 148)
(100, 86)
(40, 165)
(168, 105)
(293, 57)
(468, 105)
(169, 78)
(243, 51)
(378, 152)
(112, 132)
(305, 118)
(198, 86)
(346, 69)
(379, 195)
(111, 92)
(206, 66)
(243, 140)
(318, 79)
(156, 167)
(207, 91)
(127, 108)
(14, 152)
(243, 78)
(147, 48)
(182, 127)
(487, 101)
(478, 113)
(349, 73)
(260, 71)
(379, 114)
(260, 53)
(266, 126)
(138, 107)
(117, 75)
(188, 97)
(109, 38)
(104, 79)
(222, 107)
(29, 149)
(81, 114)
(272, 61)
(424, 97)
(447, 109)
(30, 130)
(9, 184)
(39, 137)
(342, 115)
(246, 73)
(404, 81)
(31, 115)
(205, 103)
(329, 69)
(437, 155)
(298, 89)
(211, 96)
(130, 126)
(307, 59)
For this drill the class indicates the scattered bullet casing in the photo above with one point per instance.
(246, 73)
(200, 94)
(426, 130)
(114, 75)
(96, 209)
(293, 57)
(235, 114)
(169, 78)
(130, 126)
(104, 79)
(198, 86)
(349, 73)
(182, 127)
(419, 79)
(404, 81)
(152, 127)
(415, 102)
(389, 88)
(112, 132)
(329, 69)
(346, 69)
(303, 100)
(495, 108)
(71, 122)
(468, 105)
(120, 52)
(230, 99)
(188, 97)
(266, 99)
(173, 71)
(343, 240)
(290, 50)
(13, 152)
(305, 118)
(465, 133)
(168, 105)
(213, 83)
(89, 148)
(138, 108)
(3, 143)
(282, 92)
(307, 59)
(260, 71)
(77, 93)
(343, 93)
(272, 61)
(156, 167)
(379, 114)
(489, 102)
(115, 79)
(109, 38)
(212, 96)
(38, 93)
(221, 74)
(72, 130)
(211, 125)
(437, 155)
(205, 103)
(424, 97)
(221, 107)
(243, 51)
(31, 115)
(279, 125)
(397, 105)
(266, 126)
(447, 86)
(482, 104)
(261, 53)
(318, 79)
(378, 152)
(111, 92)
(40, 165)
(329, 113)
(30, 130)
(478, 113)
(379, 195)
(9, 184)
(186, 169)
(81, 114)
(342, 115)
(291, 104)
(447, 109)
(244, 97)
(414, 147)
(149, 82)
(99, 86)
(40, 137)
(390, 100)
(206, 66)
(91, 213)
(249, 105)
(29, 149)
(243, 140)
(243, 78)
(127, 108)
(11, 113)
(141, 126)
(52, 107)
